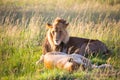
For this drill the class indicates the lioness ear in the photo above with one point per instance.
(70, 60)
(48, 25)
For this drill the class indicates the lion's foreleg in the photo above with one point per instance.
(40, 60)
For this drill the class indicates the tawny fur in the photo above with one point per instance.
(57, 39)
(67, 62)
(64, 61)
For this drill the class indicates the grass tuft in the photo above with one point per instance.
(22, 31)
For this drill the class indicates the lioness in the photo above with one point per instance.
(57, 39)
(69, 62)
(64, 61)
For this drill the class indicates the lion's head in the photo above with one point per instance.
(71, 65)
(57, 32)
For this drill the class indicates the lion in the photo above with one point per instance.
(64, 61)
(68, 62)
(58, 39)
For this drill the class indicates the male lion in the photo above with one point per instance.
(57, 39)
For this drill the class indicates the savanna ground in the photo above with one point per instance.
(22, 31)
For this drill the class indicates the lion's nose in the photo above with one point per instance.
(56, 40)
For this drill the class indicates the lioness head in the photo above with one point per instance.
(57, 32)
(68, 64)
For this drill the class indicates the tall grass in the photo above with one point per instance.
(22, 31)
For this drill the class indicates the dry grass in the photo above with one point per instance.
(22, 31)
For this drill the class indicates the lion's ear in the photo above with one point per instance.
(48, 25)
(70, 59)
(66, 25)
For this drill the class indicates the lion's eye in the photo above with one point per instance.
(60, 31)
(53, 32)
